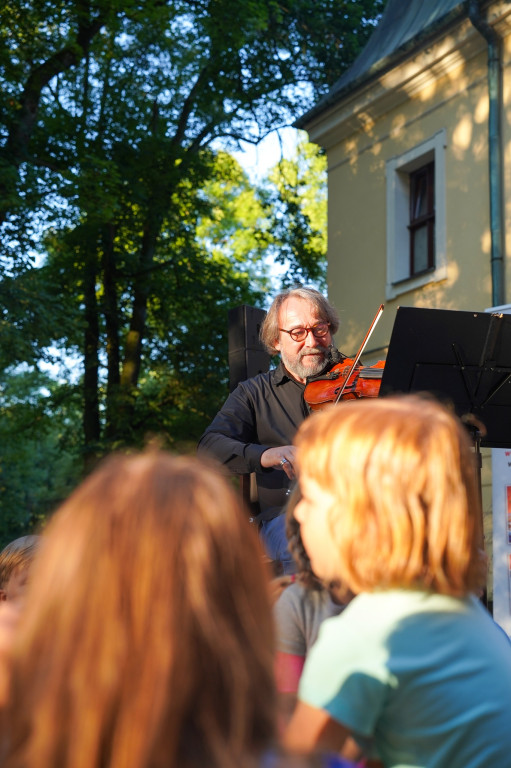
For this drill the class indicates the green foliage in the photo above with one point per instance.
(39, 433)
(126, 234)
(296, 205)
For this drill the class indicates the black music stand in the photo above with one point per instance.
(462, 358)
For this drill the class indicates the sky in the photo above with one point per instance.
(257, 160)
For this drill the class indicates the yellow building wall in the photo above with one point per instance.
(357, 253)
(454, 100)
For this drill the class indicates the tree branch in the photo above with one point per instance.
(20, 133)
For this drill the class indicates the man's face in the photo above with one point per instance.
(307, 357)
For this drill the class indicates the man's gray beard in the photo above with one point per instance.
(302, 371)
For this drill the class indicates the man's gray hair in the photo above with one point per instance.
(269, 333)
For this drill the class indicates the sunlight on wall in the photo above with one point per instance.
(398, 125)
(367, 122)
(427, 93)
(453, 272)
(481, 110)
(462, 136)
(480, 149)
(486, 242)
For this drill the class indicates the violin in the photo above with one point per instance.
(358, 381)
(347, 379)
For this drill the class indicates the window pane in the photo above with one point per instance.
(420, 249)
(420, 202)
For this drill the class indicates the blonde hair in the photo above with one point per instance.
(147, 635)
(269, 333)
(16, 555)
(405, 503)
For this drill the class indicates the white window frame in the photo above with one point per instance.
(398, 171)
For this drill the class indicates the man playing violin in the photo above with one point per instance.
(254, 429)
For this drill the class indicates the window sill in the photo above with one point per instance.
(392, 290)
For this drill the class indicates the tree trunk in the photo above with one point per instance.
(133, 348)
(91, 420)
(111, 314)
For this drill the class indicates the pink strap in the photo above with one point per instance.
(288, 669)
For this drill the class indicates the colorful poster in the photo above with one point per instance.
(501, 517)
(501, 498)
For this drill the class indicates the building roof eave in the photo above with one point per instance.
(358, 76)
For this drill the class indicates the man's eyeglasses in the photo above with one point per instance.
(319, 331)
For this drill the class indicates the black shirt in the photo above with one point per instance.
(262, 412)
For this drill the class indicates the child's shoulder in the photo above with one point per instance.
(385, 611)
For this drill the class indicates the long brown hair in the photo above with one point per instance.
(147, 636)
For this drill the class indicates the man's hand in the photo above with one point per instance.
(280, 458)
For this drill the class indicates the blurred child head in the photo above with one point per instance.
(15, 560)
(390, 496)
(304, 575)
(149, 639)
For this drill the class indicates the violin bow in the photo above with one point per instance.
(360, 351)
